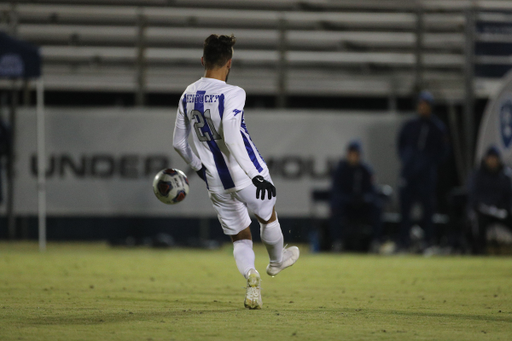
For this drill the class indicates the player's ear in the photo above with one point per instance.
(202, 61)
(229, 63)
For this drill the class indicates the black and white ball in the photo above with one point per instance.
(170, 186)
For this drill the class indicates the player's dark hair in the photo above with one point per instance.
(217, 50)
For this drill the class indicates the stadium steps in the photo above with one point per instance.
(249, 38)
(256, 80)
(176, 17)
(334, 47)
(295, 5)
(78, 54)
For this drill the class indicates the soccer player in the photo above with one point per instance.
(236, 175)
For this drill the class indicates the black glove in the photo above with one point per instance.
(202, 173)
(263, 185)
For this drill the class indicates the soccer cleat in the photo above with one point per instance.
(253, 294)
(290, 256)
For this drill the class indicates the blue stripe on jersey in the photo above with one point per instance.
(184, 104)
(221, 106)
(250, 151)
(244, 127)
(220, 163)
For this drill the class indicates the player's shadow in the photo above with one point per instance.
(124, 316)
(439, 315)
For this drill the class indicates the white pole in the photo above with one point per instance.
(41, 167)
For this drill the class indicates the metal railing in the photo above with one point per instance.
(347, 42)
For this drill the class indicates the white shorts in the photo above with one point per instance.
(232, 208)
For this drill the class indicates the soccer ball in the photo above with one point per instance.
(170, 186)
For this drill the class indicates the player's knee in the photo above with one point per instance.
(273, 217)
(244, 234)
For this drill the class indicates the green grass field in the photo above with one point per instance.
(92, 292)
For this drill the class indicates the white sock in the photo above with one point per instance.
(272, 237)
(244, 256)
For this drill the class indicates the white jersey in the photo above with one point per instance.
(215, 111)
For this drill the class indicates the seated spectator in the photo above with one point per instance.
(353, 199)
(489, 198)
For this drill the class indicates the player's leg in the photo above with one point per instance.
(235, 221)
(272, 237)
(244, 258)
(270, 231)
(243, 251)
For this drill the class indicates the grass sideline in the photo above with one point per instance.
(93, 292)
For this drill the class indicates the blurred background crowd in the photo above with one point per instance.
(423, 146)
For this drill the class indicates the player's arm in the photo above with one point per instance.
(180, 141)
(232, 122)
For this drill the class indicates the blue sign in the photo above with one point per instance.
(493, 40)
(11, 65)
(18, 59)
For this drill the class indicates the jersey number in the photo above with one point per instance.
(203, 119)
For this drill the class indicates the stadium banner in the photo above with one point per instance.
(493, 45)
(101, 162)
(496, 124)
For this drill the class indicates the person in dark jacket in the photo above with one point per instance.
(353, 197)
(489, 197)
(422, 146)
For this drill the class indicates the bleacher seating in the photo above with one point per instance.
(343, 47)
